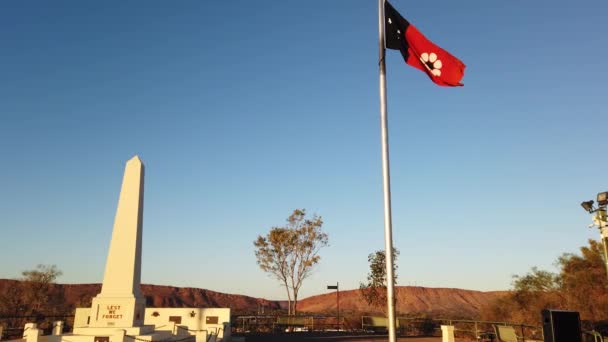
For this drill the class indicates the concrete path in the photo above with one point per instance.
(340, 338)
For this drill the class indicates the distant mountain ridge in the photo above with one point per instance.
(449, 302)
(411, 299)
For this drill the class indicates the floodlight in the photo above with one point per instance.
(588, 206)
(602, 199)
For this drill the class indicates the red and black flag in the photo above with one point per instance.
(419, 52)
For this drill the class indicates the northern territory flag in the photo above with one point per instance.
(419, 52)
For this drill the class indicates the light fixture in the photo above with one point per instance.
(588, 206)
(602, 199)
(600, 219)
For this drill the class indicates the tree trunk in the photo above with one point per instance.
(295, 302)
(288, 299)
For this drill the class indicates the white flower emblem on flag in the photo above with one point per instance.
(431, 62)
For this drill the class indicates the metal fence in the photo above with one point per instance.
(470, 329)
(273, 323)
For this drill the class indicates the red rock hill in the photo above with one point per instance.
(411, 299)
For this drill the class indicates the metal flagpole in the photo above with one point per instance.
(386, 181)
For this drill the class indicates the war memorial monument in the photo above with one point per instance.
(118, 313)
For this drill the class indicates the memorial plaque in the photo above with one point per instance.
(211, 319)
(176, 319)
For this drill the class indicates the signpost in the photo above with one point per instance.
(337, 288)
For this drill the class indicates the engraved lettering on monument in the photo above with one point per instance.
(112, 312)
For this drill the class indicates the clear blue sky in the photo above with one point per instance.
(245, 110)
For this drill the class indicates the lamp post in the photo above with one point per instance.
(337, 288)
(600, 220)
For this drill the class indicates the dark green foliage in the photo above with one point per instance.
(373, 291)
(580, 285)
(35, 295)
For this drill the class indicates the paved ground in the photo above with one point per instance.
(296, 337)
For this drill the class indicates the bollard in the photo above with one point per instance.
(57, 328)
(31, 332)
(447, 333)
(27, 327)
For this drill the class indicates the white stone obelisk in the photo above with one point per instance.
(120, 304)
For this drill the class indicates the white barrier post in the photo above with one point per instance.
(57, 328)
(447, 333)
(31, 332)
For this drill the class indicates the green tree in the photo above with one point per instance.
(39, 290)
(374, 291)
(35, 294)
(289, 253)
(12, 304)
(531, 293)
(580, 285)
(535, 291)
(583, 281)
